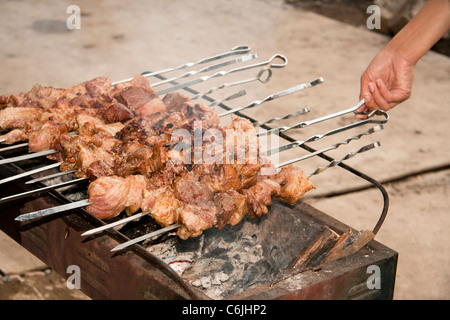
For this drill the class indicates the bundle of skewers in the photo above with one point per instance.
(160, 153)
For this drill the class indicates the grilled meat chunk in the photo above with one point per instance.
(43, 138)
(259, 196)
(174, 101)
(190, 190)
(294, 184)
(164, 207)
(17, 118)
(196, 218)
(231, 208)
(138, 183)
(108, 196)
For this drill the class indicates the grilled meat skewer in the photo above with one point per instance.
(198, 207)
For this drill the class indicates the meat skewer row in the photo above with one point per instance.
(230, 205)
(191, 203)
(46, 110)
(40, 101)
(206, 195)
(141, 146)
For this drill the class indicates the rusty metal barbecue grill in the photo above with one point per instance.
(286, 254)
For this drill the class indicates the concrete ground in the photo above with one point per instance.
(120, 39)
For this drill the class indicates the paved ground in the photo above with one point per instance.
(122, 39)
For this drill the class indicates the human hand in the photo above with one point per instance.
(386, 82)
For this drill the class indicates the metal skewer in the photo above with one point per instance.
(40, 190)
(234, 51)
(335, 163)
(319, 170)
(207, 69)
(17, 146)
(50, 176)
(28, 156)
(277, 119)
(233, 96)
(224, 73)
(316, 137)
(50, 211)
(314, 121)
(29, 173)
(146, 236)
(332, 147)
(261, 77)
(275, 96)
(114, 224)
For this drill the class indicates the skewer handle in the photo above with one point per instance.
(234, 51)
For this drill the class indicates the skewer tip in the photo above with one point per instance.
(317, 81)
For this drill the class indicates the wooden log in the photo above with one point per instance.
(316, 250)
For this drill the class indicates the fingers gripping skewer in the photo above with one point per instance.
(275, 96)
(234, 51)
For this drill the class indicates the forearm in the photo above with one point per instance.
(423, 31)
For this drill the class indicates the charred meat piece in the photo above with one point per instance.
(43, 138)
(174, 101)
(98, 87)
(259, 196)
(188, 189)
(294, 184)
(117, 112)
(196, 218)
(218, 177)
(140, 159)
(144, 102)
(164, 207)
(231, 208)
